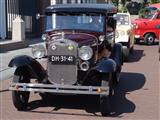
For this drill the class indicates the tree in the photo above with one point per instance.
(154, 1)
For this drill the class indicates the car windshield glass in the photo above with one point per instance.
(58, 21)
(149, 12)
(122, 19)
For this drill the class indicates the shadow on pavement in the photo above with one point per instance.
(5, 90)
(129, 82)
(120, 104)
(136, 56)
(144, 44)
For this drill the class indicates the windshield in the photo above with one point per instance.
(122, 19)
(57, 21)
(149, 12)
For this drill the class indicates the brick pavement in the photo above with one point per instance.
(136, 97)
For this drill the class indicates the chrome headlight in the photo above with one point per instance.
(122, 33)
(84, 66)
(101, 38)
(38, 51)
(44, 37)
(85, 52)
(117, 34)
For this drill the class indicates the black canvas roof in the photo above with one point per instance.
(98, 8)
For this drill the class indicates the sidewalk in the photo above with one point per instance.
(6, 56)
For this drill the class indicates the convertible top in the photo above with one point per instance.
(97, 8)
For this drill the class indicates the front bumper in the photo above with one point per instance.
(122, 39)
(138, 34)
(59, 89)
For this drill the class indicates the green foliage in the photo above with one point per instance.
(115, 2)
(154, 1)
(141, 13)
(122, 8)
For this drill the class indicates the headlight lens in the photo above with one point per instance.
(85, 52)
(44, 37)
(117, 34)
(101, 38)
(38, 51)
(122, 33)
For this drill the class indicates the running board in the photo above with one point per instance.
(65, 89)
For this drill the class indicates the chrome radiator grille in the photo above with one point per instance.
(62, 68)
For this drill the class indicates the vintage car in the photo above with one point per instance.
(80, 58)
(148, 27)
(124, 33)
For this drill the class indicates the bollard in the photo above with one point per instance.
(18, 30)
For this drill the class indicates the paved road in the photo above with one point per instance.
(136, 97)
(6, 56)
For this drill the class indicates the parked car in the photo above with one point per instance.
(80, 60)
(124, 33)
(147, 28)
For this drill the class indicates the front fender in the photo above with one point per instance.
(33, 66)
(117, 54)
(20, 61)
(106, 65)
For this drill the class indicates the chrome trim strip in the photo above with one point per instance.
(65, 89)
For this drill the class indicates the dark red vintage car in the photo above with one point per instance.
(81, 55)
(148, 27)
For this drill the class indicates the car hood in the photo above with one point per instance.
(82, 38)
(123, 27)
(139, 20)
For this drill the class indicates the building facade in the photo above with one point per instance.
(3, 31)
(27, 10)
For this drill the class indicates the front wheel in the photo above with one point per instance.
(126, 54)
(105, 106)
(136, 41)
(149, 39)
(20, 98)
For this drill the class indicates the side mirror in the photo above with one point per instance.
(115, 16)
(38, 16)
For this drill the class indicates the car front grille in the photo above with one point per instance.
(62, 68)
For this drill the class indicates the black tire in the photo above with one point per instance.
(136, 41)
(149, 39)
(47, 96)
(126, 57)
(116, 75)
(105, 106)
(131, 50)
(20, 98)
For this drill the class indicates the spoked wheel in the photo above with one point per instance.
(20, 98)
(105, 105)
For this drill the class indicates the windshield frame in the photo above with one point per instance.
(128, 21)
(151, 12)
(103, 16)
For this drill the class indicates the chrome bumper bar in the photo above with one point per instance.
(58, 89)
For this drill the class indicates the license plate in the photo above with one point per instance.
(62, 59)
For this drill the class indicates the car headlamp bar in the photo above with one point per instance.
(65, 89)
